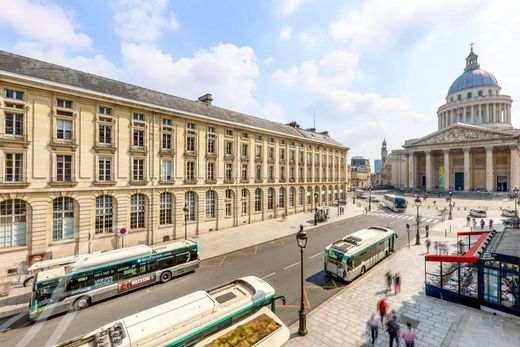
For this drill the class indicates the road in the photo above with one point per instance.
(276, 261)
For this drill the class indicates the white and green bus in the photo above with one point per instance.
(98, 276)
(198, 319)
(354, 254)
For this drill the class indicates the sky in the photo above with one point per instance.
(362, 70)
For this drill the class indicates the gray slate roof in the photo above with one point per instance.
(21, 65)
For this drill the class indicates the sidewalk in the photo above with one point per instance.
(341, 321)
(213, 244)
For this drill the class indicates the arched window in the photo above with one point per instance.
(62, 218)
(245, 201)
(330, 193)
(165, 208)
(309, 196)
(13, 217)
(104, 214)
(190, 200)
(291, 196)
(210, 204)
(281, 198)
(480, 93)
(137, 211)
(270, 198)
(300, 196)
(469, 95)
(323, 194)
(258, 200)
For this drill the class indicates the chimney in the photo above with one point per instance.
(206, 98)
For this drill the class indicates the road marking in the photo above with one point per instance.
(312, 256)
(271, 274)
(290, 266)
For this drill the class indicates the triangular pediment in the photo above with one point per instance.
(460, 133)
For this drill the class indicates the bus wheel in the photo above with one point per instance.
(363, 270)
(166, 276)
(82, 303)
(386, 254)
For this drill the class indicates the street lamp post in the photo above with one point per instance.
(301, 238)
(450, 193)
(315, 208)
(515, 192)
(185, 210)
(370, 198)
(417, 203)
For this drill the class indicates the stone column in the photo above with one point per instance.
(411, 170)
(428, 170)
(479, 116)
(514, 167)
(467, 172)
(489, 169)
(446, 169)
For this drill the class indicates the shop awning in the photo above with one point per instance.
(471, 255)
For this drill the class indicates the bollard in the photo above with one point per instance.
(445, 233)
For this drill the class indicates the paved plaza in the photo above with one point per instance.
(341, 321)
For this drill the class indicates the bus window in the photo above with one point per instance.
(78, 282)
(44, 290)
(164, 263)
(350, 264)
(103, 277)
(182, 257)
(147, 267)
(193, 253)
(126, 271)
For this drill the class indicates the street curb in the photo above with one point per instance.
(275, 239)
(12, 313)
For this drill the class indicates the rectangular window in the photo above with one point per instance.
(14, 94)
(190, 144)
(166, 174)
(258, 174)
(107, 111)
(244, 172)
(292, 155)
(228, 209)
(64, 103)
(244, 207)
(211, 130)
(14, 124)
(139, 117)
(270, 202)
(64, 130)
(228, 147)
(105, 169)
(211, 146)
(229, 172)
(245, 150)
(105, 135)
(291, 172)
(258, 151)
(271, 172)
(282, 154)
(190, 171)
(167, 121)
(258, 137)
(63, 168)
(211, 171)
(166, 141)
(13, 167)
(139, 138)
(270, 153)
(228, 132)
(190, 126)
(282, 172)
(165, 209)
(138, 170)
(245, 135)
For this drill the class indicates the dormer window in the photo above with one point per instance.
(107, 111)
(14, 94)
(139, 117)
(64, 103)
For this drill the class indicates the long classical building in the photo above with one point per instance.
(475, 146)
(84, 157)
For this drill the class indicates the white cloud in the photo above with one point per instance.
(43, 22)
(227, 71)
(285, 33)
(307, 40)
(269, 60)
(143, 21)
(286, 7)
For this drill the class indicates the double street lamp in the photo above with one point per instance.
(315, 208)
(185, 210)
(417, 203)
(369, 198)
(301, 239)
(450, 193)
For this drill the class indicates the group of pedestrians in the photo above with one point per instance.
(439, 247)
(473, 223)
(391, 326)
(393, 279)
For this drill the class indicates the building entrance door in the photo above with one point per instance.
(501, 183)
(423, 180)
(459, 180)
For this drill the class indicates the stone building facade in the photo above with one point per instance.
(84, 157)
(475, 146)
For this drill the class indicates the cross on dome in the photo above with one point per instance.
(471, 60)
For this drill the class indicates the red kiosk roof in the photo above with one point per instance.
(469, 257)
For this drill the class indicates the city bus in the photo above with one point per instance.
(229, 312)
(395, 202)
(354, 254)
(98, 276)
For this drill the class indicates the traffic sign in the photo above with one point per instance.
(123, 231)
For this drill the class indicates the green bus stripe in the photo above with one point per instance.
(218, 322)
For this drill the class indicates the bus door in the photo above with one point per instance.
(391, 242)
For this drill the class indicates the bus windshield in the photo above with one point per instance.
(400, 203)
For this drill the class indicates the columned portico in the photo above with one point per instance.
(489, 169)
(411, 170)
(514, 166)
(447, 184)
(467, 174)
(428, 170)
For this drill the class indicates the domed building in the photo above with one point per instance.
(475, 146)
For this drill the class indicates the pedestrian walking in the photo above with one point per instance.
(436, 247)
(373, 328)
(467, 221)
(397, 283)
(388, 276)
(382, 308)
(392, 327)
(474, 223)
(428, 244)
(408, 335)
(461, 246)
(482, 223)
(491, 224)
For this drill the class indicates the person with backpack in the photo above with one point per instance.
(408, 335)
(392, 327)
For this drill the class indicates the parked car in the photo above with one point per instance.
(478, 213)
(375, 199)
(364, 196)
(508, 212)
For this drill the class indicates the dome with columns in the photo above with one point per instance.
(474, 98)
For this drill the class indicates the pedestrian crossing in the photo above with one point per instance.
(404, 217)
